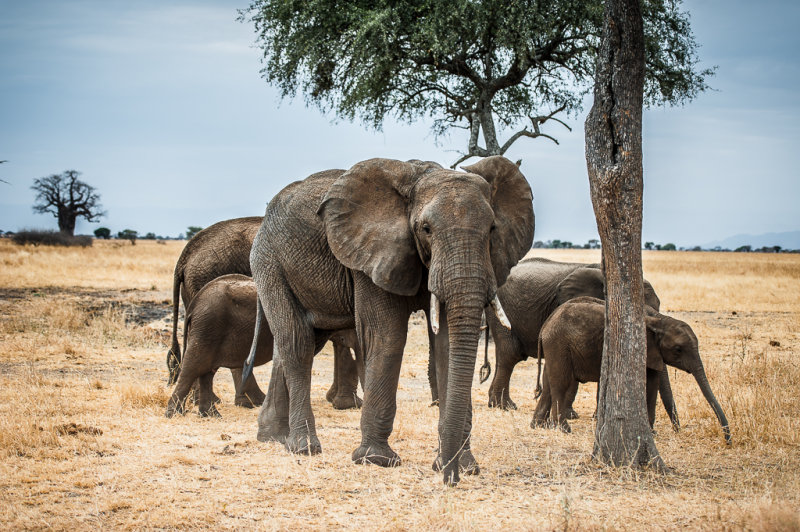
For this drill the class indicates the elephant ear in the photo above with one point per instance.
(654, 359)
(512, 201)
(585, 281)
(364, 214)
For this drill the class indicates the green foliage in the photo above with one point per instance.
(192, 230)
(102, 232)
(466, 63)
(668, 247)
(128, 234)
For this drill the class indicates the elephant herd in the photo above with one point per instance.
(348, 256)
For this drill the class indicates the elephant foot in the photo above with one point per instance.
(503, 402)
(345, 402)
(210, 411)
(303, 444)
(565, 428)
(272, 428)
(572, 414)
(331, 393)
(539, 422)
(174, 407)
(381, 455)
(250, 400)
(467, 464)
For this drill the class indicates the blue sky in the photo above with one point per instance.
(161, 106)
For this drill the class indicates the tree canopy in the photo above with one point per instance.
(465, 63)
(67, 198)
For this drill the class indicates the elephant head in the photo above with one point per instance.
(402, 222)
(673, 342)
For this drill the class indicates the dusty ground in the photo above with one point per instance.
(84, 443)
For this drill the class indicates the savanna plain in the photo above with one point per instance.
(84, 443)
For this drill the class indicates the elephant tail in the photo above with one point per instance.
(486, 369)
(538, 370)
(174, 353)
(247, 370)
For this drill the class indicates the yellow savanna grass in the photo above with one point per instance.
(85, 445)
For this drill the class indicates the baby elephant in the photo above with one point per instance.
(571, 342)
(218, 332)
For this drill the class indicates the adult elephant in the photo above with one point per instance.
(535, 288)
(221, 249)
(367, 247)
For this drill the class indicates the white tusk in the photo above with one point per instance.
(501, 314)
(434, 314)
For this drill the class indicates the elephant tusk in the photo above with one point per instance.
(434, 315)
(483, 321)
(501, 314)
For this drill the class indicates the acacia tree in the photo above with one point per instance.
(67, 198)
(482, 66)
(614, 159)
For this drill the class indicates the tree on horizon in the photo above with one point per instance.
(67, 198)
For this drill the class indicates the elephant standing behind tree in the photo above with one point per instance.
(218, 333)
(367, 247)
(535, 288)
(571, 343)
(220, 249)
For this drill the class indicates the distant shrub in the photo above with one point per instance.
(50, 238)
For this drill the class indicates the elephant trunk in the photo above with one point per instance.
(463, 320)
(702, 381)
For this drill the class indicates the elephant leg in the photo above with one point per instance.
(249, 395)
(541, 414)
(507, 355)
(273, 418)
(569, 400)
(177, 401)
(558, 412)
(345, 379)
(382, 325)
(665, 390)
(331, 393)
(205, 401)
(467, 464)
(653, 378)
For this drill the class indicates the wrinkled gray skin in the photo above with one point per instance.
(535, 288)
(571, 343)
(365, 248)
(218, 331)
(220, 249)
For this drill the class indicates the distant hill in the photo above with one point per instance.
(789, 240)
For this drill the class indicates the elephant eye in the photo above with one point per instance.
(678, 349)
(426, 228)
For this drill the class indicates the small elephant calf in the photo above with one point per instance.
(218, 332)
(571, 342)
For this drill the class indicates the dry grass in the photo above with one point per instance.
(84, 444)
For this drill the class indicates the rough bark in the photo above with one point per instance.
(614, 160)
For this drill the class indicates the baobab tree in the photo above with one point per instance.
(67, 198)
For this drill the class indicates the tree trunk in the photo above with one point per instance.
(614, 160)
(66, 221)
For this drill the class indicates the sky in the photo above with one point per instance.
(161, 106)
